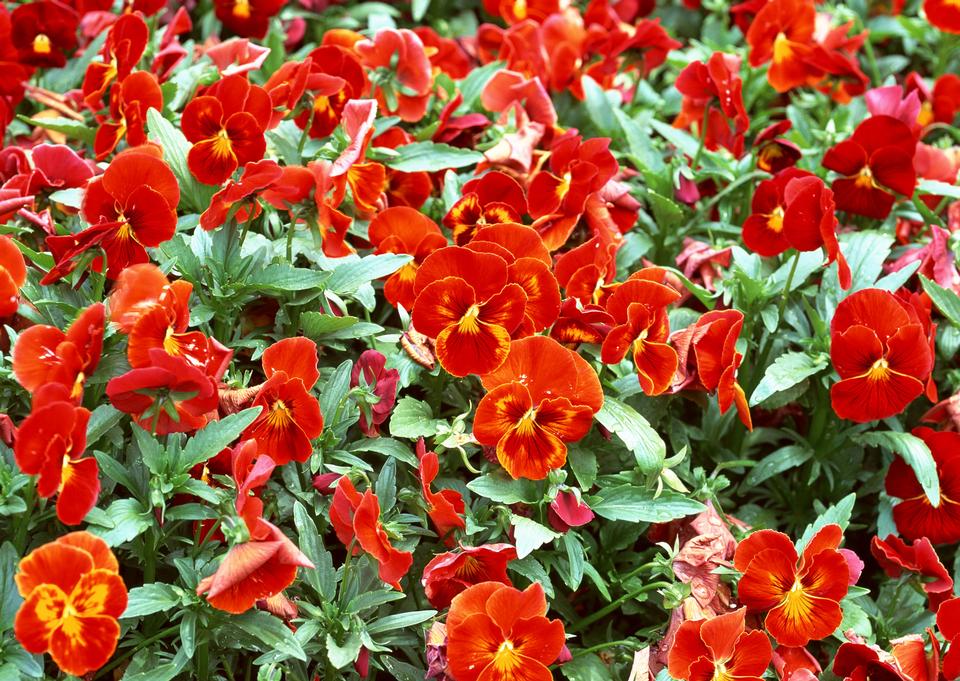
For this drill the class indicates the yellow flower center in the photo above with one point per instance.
(42, 44)
(775, 220)
(280, 416)
(170, 344)
(468, 322)
(865, 178)
(782, 49)
(241, 9)
(879, 371)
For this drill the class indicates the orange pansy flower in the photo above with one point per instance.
(782, 34)
(401, 229)
(445, 507)
(448, 574)
(73, 597)
(719, 649)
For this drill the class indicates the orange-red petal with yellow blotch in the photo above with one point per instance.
(473, 645)
(767, 581)
(486, 273)
(570, 422)
(84, 644)
(505, 308)
(135, 290)
(826, 576)
(79, 489)
(528, 450)
(751, 656)
(212, 160)
(656, 365)
(297, 357)
(541, 288)
(53, 563)
(442, 304)
(99, 592)
(862, 399)
(803, 618)
(38, 617)
(499, 411)
(472, 347)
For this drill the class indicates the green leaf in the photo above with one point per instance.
(102, 419)
(67, 126)
(350, 275)
(400, 620)
(503, 489)
(283, 277)
(430, 157)
(413, 419)
(270, 631)
(915, 454)
(175, 146)
(777, 462)
(419, 9)
(116, 471)
(212, 438)
(124, 520)
(638, 505)
(323, 578)
(647, 446)
(530, 535)
(639, 144)
(322, 327)
(945, 300)
(473, 84)
(599, 106)
(786, 371)
(388, 447)
(838, 514)
(151, 598)
(10, 599)
(681, 139)
(335, 390)
(938, 188)
(342, 655)
(666, 212)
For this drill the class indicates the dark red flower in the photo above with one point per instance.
(381, 383)
(247, 18)
(896, 557)
(712, 93)
(43, 32)
(448, 574)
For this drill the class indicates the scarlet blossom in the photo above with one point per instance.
(449, 574)
(13, 273)
(948, 622)
(445, 507)
(125, 44)
(73, 596)
(169, 395)
(568, 510)
(403, 189)
(225, 126)
(941, 104)
(882, 354)
(356, 520)
(331, 76)
(247, 18)
(875, 162)
(403, 76)
(705, 87)
(542, 397)
(237, 55)
(801, 599)
(764, 230)
(43, 32)
(774, 153)
(492, 199)
(466, 302)
(253, 570)
(896, 557)
(515, 11)
(906, 661)
(129, 103)
(509, 90)
(45, 354)
(400, 229)
(943, 14)
(497, 631)
(702, 263)
(50, 444)
(705, 649)
(579, 323)
(131, 207)
(795, 664)
(709, 359)
(916, 518)
(382, 383)
(782, 34)
(290, 417)
(237, 199)
(639, 309)
(446, 55)
(585, 271)
(894, 101)
(459, 131)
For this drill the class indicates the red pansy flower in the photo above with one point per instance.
(43, 32)
(405, 78)
(225, 125)
(948, 622)
(332, 77)
(719, 647)
(704, 87)
(782, 34)
(879, 348)
(131, 207)
(237, 55)
(45, 354)
(247, 18)
(356, 520)
(449, 574)
(382, 383)
(237, 199)
(915, 516)
(73, 596)
(445, 507)
(875, 162)
(125, 45)
(400, 229)
(802, 599)
(568, 510)
(774, 153)
(489, 200)
(466, 302)
(50, 444)
(290, 417)
(579, 323)
(129, 102)
(639, 310)
(895, 557)
(542, 397)
(907, 661)
(497, 632)
(13, 273)
(943, 14)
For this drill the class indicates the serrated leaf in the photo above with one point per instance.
(150, 598)
(529, 535)
(503, 489)
(431, 157)
(348, 276)
(213, 437)
(648, 447)
(413, 419)
(638, 505)
(915, 454)
(786, 371)
(270, 631)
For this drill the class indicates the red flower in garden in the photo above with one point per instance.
(943, 14)
(253, 570)
(73, 596)
(906, 661)
(719, 648)
(875, 162)
(13, 273)
(895, 557)
(568, 510)
(496, 631)
(290, 417)
(247, 18)
(400, 229)
(712, 93)
(237, 199)
(465, 302)
(782, 34)
(801, 599)
(639, 310)
(129, 102)
(709, 359)
(542, 397)
(445, 507)
(122, 51)
(43, 32)
(449, 574)
(356, 520)
(879, 348)
(132, 206)
(948, 622)
(382, 383)
(775, 153)
(580, 323)
(45, 354)
(915, 516)
(764, 231)
(50, 444)
(492, 199)
(401, 72)
(225, 125)
(169, 395)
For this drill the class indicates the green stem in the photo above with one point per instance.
(150, 568)
(871, 56)
(306, 133)
(703, 140)
(104, 671)
(721, 195)
(612, 607)
(605, 646)
(203, 664)
(767, 345)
